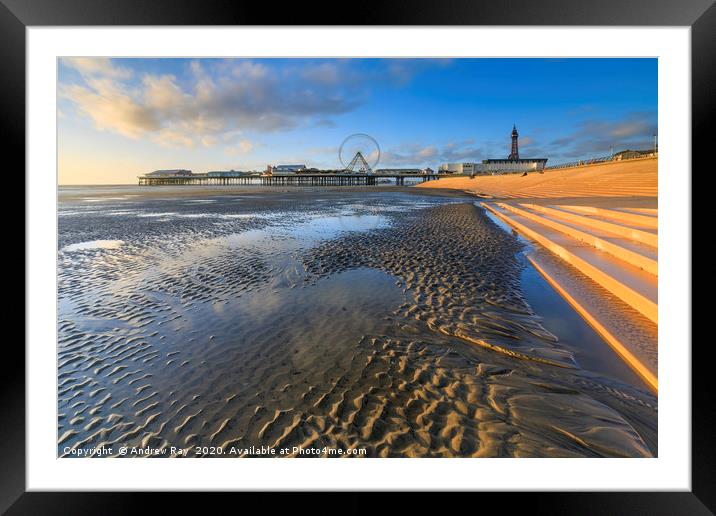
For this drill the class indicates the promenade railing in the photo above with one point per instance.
(601, 159)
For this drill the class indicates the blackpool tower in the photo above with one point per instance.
(515, 154)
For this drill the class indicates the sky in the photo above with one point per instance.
(120, 118)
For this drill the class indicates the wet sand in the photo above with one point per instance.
(373, 319)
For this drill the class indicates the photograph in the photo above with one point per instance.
(357, 257)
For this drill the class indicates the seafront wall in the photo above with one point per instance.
(633, 178)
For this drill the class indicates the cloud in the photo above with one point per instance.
(231, 96)
(589, 138)
(405, 155)
(412, 155)
(162, 93)
(634, 124)
(595, 137)
(92, 66)
(526, 141)
(112, 107)
(403, 71)
(209, 141)
(242, 147)
(325, 123)
(464, 150)
(428, 152)
(172, 138)
(324, 73)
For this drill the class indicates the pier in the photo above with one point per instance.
(332, 179)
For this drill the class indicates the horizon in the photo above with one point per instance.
(120, 118)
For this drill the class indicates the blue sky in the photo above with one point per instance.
(119, 118)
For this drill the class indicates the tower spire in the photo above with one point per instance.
(515, 152)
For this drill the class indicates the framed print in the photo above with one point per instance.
(453, 252)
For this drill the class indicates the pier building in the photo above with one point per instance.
(286, 169)
(170, 173)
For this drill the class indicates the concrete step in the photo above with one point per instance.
(645, 237)
(652, 212)
(553, 193)
(637, 220)
(644, 259)
(630, 335)
(634, 286)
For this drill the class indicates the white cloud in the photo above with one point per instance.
(244, 146)
(112, 108)
(169, 137)
(92, 66)
(208, 141)
(162, 92)
(595, 137)
(428, 152)
(417, 155)
(526, 141)
(325, 73)
(237, 96)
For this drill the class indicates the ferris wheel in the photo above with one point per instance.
(359, 153)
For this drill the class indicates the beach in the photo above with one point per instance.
(403, 322)
(614, 183)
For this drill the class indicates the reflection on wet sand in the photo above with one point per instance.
(391, 322)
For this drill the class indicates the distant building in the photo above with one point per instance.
(170, 173)
(498, 166)
(287, 169)
(493, 166)
(458, 168)
(227, 173)
(513, 163)
(632, 154)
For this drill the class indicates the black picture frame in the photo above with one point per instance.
(17, 15)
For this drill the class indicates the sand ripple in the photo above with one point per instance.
(411, 340)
